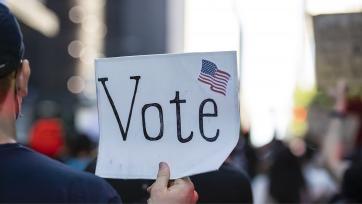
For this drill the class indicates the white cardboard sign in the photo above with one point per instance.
(177, 108)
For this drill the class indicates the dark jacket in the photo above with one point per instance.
(27, 176)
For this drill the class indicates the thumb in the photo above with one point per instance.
(163, 177)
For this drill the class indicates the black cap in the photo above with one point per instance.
(11, 42)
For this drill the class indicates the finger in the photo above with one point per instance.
(185, 184)
(183, 180)
(163, 176)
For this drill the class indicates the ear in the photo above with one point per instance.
(22, 78)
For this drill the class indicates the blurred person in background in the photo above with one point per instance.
(280, 179)
(342, 154)
(352, 183)
(286, 180)
(229, 184)
(250, 155)
(320, 185)
(47, 137)
(80, 149)
(27, 176)
(47, 134)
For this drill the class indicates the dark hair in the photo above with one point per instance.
(80, 143)
(286, 177)
(352, 183)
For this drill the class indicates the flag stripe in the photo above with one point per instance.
(223, 89)
(221, 79)
(222, 72)
(213, 78)
(213, 81)
(217, 73)
(212, 87)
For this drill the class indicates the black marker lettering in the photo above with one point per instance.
(159, 108)
(201, 119)
(124, 133)
(178, 119)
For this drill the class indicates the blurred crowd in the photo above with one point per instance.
(322, 166)
(308, 169)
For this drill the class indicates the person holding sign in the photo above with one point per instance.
(27, 176)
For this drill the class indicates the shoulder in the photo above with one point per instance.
(86, 187)
(56, 179)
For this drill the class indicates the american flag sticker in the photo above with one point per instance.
(216, 78)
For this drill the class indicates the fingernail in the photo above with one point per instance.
(162, 165)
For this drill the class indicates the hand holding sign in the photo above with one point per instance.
(180, 108)
(180, 191)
